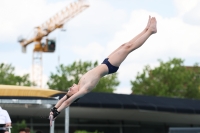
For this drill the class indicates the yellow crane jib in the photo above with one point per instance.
(57, 21)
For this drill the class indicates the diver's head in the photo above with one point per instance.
(72, 90)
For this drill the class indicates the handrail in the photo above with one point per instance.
(6, 128)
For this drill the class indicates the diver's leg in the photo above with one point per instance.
(136, 37)
(117, 57)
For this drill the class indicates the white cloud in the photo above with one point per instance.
(193, 17)
(176, 36)
(184, 6)
(189, 11)
(92, 51)
(21, 16)
(101, 15)
(21, 71)
(45, 78)
(124, 90)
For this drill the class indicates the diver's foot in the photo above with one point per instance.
(148, 23)
(153, 25)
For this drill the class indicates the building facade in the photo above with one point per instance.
(105, 113)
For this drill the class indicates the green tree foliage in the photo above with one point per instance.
(171, 79)
(19, 125)
(66, 76)
(7, 76)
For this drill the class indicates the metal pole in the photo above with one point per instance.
(31, 122)
(121, 127)
(67, 120)
(2, 129)
(52, 127)
(37, 68)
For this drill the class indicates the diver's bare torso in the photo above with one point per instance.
(89, 80)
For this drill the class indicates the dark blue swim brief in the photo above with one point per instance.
(111, 68)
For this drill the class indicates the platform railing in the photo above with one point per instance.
(6, 129)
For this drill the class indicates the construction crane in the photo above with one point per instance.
(55, 22)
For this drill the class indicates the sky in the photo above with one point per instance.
(94, 33)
